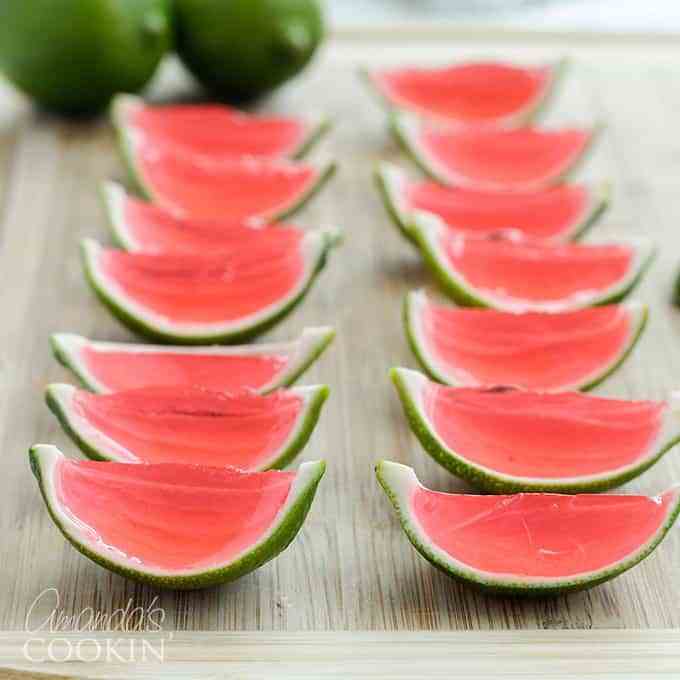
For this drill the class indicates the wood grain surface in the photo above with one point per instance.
(351, 568)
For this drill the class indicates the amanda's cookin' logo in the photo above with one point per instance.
(125, 635)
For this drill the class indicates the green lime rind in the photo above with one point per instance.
(326, 172)
(316, 133)
(522, 117)
(316, 350)
(364, 75)
(111, 197)
(58, 409)
(596, 132)
(509, 586)
(410, 321)
(285, 530)
(424, 234)
(312, 413)
(403, 127)
(600, 197)
(314, 395)
(146, 328)
(543, 103)
(389, 199)
(449, 286)
(401, 138)
(675, 299)
(63, 356)
(497, 482)
(117, 115)
(637, 334)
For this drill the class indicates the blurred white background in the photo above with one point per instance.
(597, 15)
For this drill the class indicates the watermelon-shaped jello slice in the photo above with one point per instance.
(196, 299)
(115, 366)
(243, 429)
(503, 440)
(230, 189)
(524, 276)
(171, 525)
(211, 131)
(528, 544)
(554, 214)
(525, 159)
(140, 226)
(478, 94)
(534, 350)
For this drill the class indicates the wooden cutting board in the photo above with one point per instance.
(351, 568)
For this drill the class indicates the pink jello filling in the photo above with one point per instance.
(170, 517)
(129, 370)
(210, 288)
(531, 350)
(539, 535)
(471, 94)
(217, 131)
(547, 436)
(508, 158)
(535, 272)
(155, 230)
(229, 189)
(544, 214)
(191, 425)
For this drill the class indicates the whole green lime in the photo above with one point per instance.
(71, 56)
(241, 49)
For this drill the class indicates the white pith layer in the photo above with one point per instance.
(403, 483)
(395, 183)
(430, 233)
(417, 303)
(114, 197)
(110, 449)
(48, 459)
(668, 432)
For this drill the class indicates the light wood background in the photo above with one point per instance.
(351, 568)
